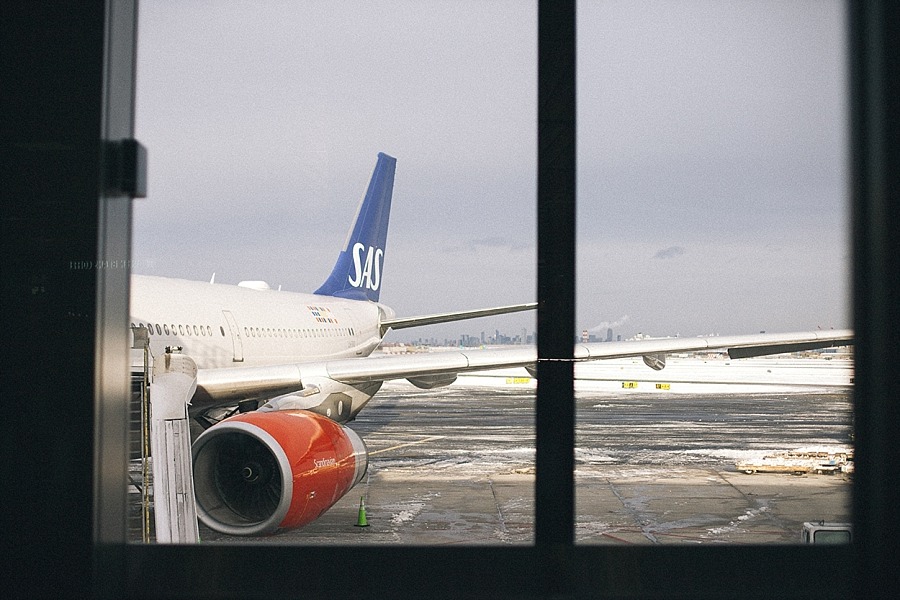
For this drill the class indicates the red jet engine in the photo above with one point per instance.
(259, 472)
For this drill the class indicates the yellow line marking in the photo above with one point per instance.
(428, 439)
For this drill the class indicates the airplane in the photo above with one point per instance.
(281, 374)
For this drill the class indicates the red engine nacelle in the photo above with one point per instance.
(262, 471)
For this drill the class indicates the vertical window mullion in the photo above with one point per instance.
(555, 411)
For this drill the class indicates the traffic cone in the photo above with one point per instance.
(361, 520)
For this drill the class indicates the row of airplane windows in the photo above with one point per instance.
(165, 329)
(206, 330)
(296, 333)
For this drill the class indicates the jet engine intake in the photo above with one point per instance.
(259, 472)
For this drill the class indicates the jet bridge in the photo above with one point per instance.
(161, 392)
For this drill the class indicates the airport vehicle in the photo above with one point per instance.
(822, 532)
(280, 374)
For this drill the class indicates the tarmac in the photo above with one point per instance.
(454, 466)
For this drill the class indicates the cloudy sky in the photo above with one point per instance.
(712, 163)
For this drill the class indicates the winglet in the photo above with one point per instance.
(358, 270)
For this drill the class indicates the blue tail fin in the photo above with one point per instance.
(357, 273)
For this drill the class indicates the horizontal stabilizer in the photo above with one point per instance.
(454, 316)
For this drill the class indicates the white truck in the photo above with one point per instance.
(826, 533)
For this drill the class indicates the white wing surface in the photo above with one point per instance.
(219, 385)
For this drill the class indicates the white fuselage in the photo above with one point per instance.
(227, 326)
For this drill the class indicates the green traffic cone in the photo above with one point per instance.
(361, 520)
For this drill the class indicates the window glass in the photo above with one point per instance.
(296, 103)
(712, 177)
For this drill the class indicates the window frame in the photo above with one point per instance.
(555, 565)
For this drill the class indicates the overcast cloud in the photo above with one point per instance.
(711, 155)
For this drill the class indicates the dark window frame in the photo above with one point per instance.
(554, 565)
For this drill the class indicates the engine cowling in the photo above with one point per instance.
(257, 473)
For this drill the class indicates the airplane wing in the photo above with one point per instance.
(431, 369)
(253, 472)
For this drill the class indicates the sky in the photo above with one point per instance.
(712, 155)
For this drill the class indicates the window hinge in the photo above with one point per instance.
(126, 168)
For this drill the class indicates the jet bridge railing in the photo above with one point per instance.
(141, 388)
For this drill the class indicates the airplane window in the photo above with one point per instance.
(180, 329)
(196, 332)
(158, 330)
(222, 329)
